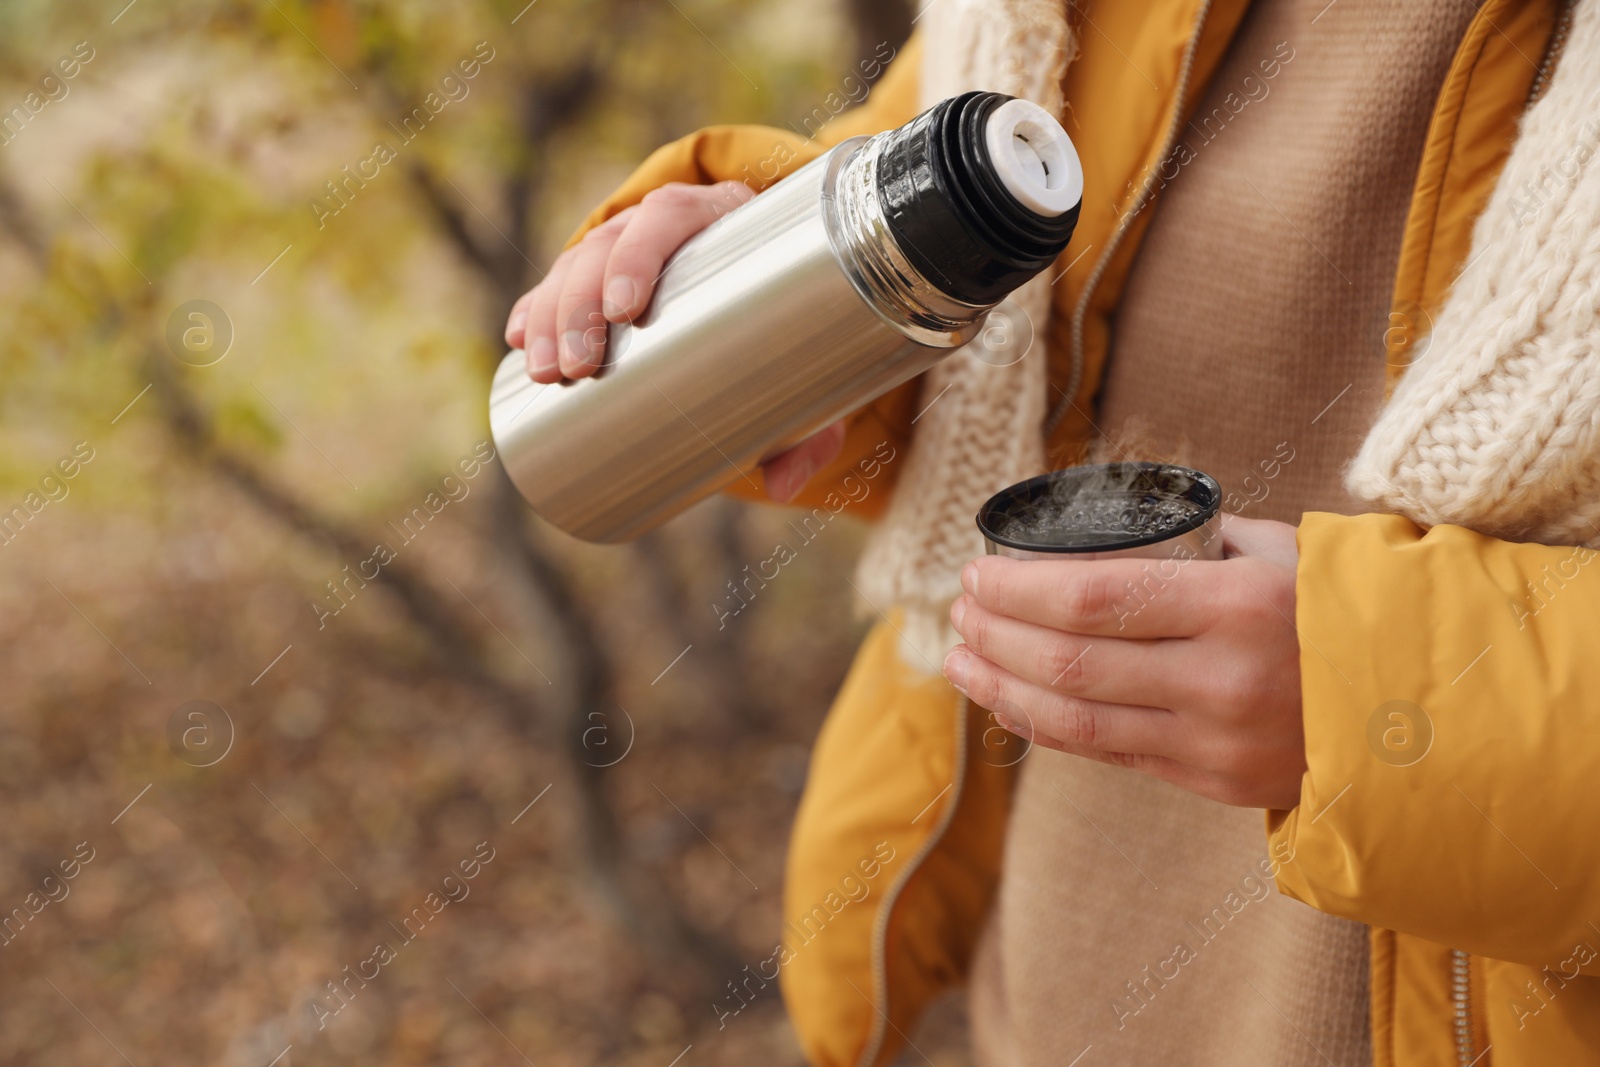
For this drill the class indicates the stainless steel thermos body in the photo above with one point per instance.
(756, 337)
(822, 293)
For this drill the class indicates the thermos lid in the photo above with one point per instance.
(981, 192)
(1034, 158)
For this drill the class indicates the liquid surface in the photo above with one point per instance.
(1095, 519)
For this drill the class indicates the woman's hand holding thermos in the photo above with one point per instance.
(609, 276)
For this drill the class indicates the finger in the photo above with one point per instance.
(1038, 713)
(1198, 780)
(516, 322)
(1097, 668)
(788, 472)
(1272, 541)
(580, 325)
(666, 218)
(539, 329)
(1162, 768)
(1132, 598)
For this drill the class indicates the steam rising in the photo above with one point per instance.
(1101, 505)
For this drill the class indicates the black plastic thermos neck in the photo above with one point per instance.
(944, 200)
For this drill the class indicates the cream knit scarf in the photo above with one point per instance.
(980, 427)
(1495, 426)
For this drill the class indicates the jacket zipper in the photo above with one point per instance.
(880, 926)
(1552, 52)
(1081, 312)
(1461, 998)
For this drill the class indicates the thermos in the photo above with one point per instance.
(1150, 510)
(855, 274)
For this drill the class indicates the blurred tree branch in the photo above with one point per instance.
(719, 667)
(453, 221)
(546, 104)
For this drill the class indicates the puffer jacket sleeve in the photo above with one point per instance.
(1451, 689)
(759, 156)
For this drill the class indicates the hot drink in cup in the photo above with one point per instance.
(1153, 510)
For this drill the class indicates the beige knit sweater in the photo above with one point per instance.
(1135, 917)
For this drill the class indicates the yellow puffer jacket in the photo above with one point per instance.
(1475, 866)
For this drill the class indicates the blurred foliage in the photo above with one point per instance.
(369, 756)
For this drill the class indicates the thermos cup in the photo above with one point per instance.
(855, 274)
(1151, 510)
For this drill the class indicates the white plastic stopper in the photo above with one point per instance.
(1034, 158)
